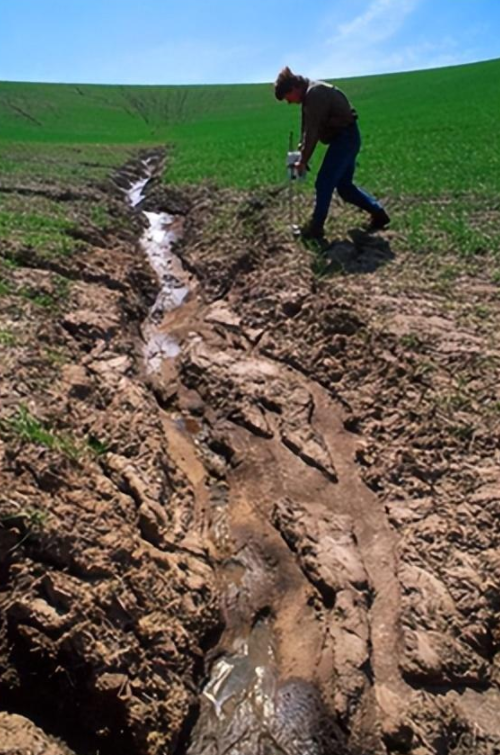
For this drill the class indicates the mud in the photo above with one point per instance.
(108, 596)
(287, 538)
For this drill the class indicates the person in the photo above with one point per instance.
(327, 116)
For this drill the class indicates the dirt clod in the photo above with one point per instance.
(286, 539)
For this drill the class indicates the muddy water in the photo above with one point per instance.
(156, 242)
(248, 704)
(237, 703)
(242, 685)
(251, 713)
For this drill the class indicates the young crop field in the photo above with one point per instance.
(431, 148)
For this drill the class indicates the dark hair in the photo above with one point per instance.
(286, 81)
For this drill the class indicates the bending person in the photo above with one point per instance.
(328, 117)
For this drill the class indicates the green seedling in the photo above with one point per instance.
(96, 446)
(7, 338)
(33, 522)
(29, 429)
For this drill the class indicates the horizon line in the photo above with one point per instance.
(244, 83)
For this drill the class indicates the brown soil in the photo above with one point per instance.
(309, 492)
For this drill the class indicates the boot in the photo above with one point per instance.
(380, 220)
(312, 231)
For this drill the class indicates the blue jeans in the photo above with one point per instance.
(337, 171)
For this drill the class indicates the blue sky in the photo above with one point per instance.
(228, 41)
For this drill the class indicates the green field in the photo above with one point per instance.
(431, 144)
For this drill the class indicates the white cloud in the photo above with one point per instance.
(377, 41)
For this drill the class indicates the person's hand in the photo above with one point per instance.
(301, 168)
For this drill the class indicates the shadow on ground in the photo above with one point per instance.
(361, 252)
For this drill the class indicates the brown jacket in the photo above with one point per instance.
(325, 111)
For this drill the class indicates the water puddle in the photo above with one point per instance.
(247, 710)
(237, 706)
(250, 669)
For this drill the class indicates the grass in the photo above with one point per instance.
(41, 228)
(5, 287)
(34, 221)
(411, 341)
(50, 300)
(97, 447)
(28, 428)
(419, 137)
(33, 522)
(99, 217)
(6, 337)
(54, 163)
(432, 159)
(55, 357)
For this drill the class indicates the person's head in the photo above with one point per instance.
(290, 87)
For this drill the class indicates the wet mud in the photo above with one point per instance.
(284, 547)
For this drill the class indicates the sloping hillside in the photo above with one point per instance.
(249, 489)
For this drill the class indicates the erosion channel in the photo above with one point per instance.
(251, 566)
(277, 520)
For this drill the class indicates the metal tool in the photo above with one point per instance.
(292, 158)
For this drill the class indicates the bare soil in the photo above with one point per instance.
(284, 541)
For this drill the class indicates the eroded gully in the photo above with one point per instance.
(305, 558)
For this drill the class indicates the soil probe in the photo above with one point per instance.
(292, 158)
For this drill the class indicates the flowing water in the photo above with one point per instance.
(245, 707)
(157, 242)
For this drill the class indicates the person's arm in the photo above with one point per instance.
(310, 134)
(312, 112)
